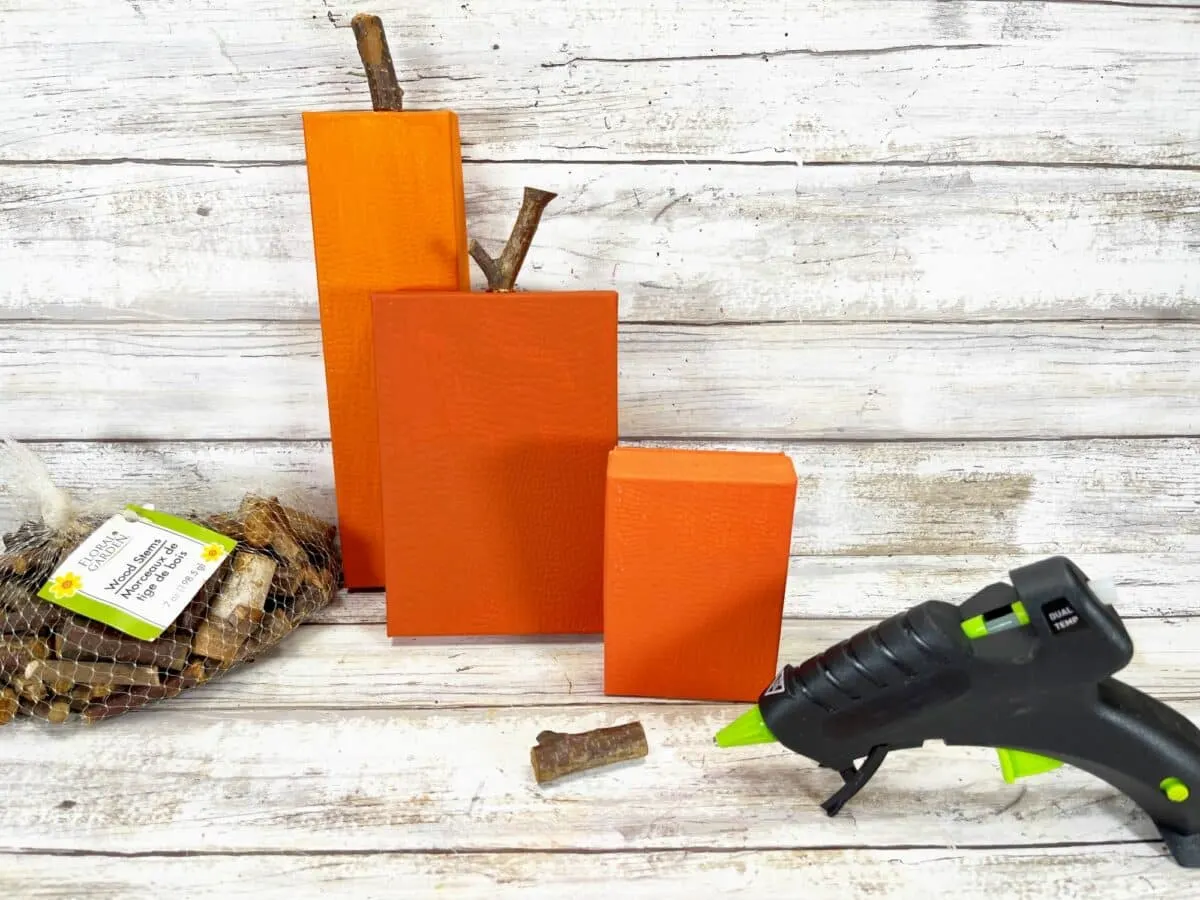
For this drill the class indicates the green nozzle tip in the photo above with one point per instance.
(748, 728)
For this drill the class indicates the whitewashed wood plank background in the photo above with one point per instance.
(362, 780)
(808, 81)
(943, 254)
(1117, 873)
(716, 242)
(877, 526)
(1120, 872)
(887, 381)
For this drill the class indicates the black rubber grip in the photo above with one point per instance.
(914, 643)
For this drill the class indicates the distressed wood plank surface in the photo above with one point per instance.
(870, 80)
(1151, 584)
(679, 243)
(792, 380)
(357, 779)
(1110, 872)
(853, 499)
(877, 525)
(348, 667)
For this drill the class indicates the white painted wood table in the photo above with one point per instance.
(945, 254)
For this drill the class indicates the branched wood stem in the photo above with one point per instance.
(386, 93)
(501, 273)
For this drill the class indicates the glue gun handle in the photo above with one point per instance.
(1140, 746)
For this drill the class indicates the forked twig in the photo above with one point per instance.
(501, 273)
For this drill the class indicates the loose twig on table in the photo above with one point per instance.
(558, 754)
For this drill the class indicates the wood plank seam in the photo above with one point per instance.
(702, 849)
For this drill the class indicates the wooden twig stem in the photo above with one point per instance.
(9, 705)
(558, 754)
(71, 672)
(22, 612)
(264, 517)
(501, 273)
(386, 94)
(28, 688)
(82, 640)
(55, 712)
(134, 698)
(17, 652)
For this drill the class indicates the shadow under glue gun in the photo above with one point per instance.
(1024, 668)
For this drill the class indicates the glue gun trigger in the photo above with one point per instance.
(855, 779)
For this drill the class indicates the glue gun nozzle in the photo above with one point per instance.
(748, 728)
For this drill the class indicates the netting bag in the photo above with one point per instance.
(103, 610)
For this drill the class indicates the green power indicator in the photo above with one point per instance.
(994, 622)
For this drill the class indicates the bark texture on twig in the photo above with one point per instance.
(23, 612)
(83, 640)
(376, 56)
(223, 639)
(118, 704)
(266, 522)
(66, 673)
(54, 711)
(9, 704)
(28, 688)
(32, 551)
(17, 652)
(241, 601)
(501, 273)
(558, 754)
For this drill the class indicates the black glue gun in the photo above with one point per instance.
(1025, 668)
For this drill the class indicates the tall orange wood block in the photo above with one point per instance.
(386, 196)
(696, 561)
(497, 412)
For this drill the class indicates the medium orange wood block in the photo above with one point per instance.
(386, 196)
(497, 412)
(696, 561)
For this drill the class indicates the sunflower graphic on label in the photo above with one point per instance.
(212, 553)
(68, 584)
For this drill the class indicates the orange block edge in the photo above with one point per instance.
(388, 213)
(697, 544)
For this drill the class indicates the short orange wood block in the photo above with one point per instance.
(696, 561)
(497, 412)
(387, 206)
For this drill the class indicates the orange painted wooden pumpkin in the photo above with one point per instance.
(696, 564)
(497, 412)
(387, 206)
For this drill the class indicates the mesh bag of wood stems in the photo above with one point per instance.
(106, 609)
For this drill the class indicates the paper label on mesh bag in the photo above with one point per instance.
(137, 576)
